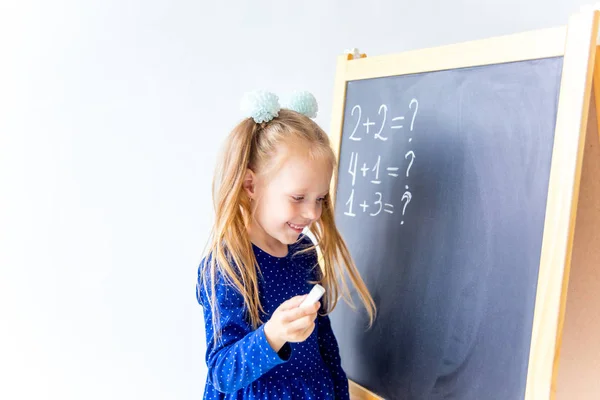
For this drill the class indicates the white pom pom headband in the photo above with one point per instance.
(263, 106)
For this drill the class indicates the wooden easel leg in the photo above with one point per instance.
(579, 366)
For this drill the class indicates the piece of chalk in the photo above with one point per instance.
(315, 294)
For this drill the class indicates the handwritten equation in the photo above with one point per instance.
(374, 170)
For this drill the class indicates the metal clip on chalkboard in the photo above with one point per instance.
(354, 54)
(458, 192)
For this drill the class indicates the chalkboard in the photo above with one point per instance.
(441, 198)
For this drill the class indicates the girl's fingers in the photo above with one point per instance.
(301, 335)
(292, 303)
(307, 332)
(299, 312)
(299, 325)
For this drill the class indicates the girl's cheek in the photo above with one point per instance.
(319, 213)
(283, 209)
(294, 209)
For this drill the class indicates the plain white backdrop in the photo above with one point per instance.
(111, 117)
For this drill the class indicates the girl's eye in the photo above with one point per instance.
(300, 198)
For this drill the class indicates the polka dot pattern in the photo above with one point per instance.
(242, 365)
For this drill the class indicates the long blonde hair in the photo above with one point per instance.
(229, 253)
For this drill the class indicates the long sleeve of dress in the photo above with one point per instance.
(329, 349)
(241, 355)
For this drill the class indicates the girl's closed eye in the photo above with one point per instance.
(300, 198)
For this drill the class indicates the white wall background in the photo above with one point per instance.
(111, 115)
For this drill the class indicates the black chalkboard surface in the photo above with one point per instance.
(441, 198)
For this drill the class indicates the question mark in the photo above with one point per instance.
(408, 196)
(416, 102)
(412, 154)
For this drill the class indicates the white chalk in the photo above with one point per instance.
(315, 295)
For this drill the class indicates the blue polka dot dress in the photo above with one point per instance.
(244, 366)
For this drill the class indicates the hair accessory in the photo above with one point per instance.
(304, 103)
(260, 105)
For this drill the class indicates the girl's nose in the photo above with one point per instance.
(310, 211)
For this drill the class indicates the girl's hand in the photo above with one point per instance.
(289, 323)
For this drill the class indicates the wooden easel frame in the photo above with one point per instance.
(576, 42)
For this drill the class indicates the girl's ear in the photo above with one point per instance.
(249, 183)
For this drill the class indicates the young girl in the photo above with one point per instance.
(271, 185)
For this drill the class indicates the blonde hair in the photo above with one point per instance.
(229, 253)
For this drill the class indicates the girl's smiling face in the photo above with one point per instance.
(288, 202)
